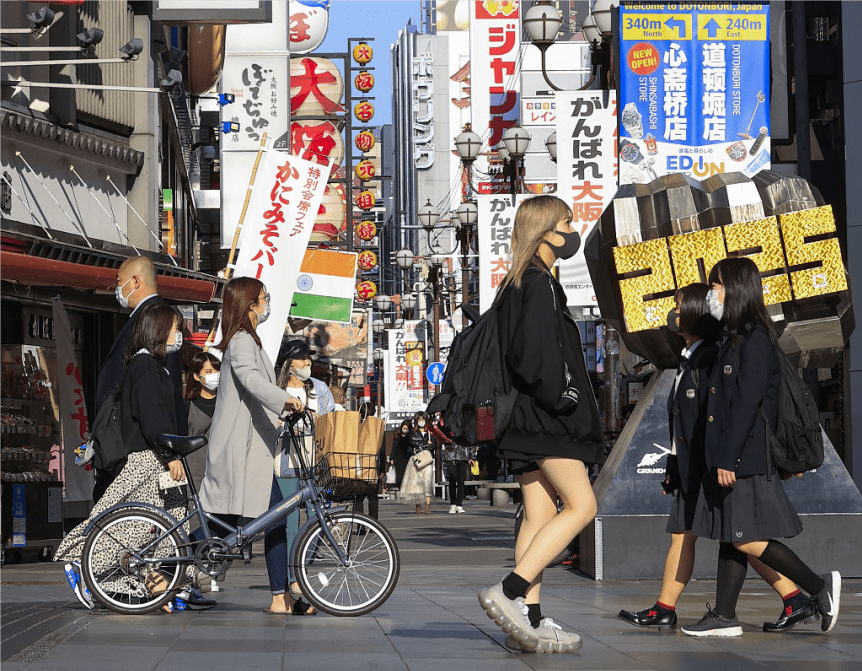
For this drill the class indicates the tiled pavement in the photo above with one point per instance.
(432, 622)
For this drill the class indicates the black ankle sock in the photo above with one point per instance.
(732, 567)
(795, 600)
(781, 558)
(515, 586)
(534, 612)
(663, 608)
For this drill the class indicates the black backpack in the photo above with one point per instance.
(109, 445)
(797, 443)
(476, 397)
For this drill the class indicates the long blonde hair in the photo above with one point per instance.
(535, 218)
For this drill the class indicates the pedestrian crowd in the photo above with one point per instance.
(721, 409)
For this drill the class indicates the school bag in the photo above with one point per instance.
(476, 398)
(797, 442)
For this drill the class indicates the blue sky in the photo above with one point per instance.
(380, 19)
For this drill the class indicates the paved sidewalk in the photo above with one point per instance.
(433, 620)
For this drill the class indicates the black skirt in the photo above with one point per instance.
(753, 509)
(682, 512)
(523, 451)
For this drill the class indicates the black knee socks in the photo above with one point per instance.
(515, 586)
(781, 558)
(732, 566)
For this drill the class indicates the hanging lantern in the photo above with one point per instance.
(363, 111)
(366, 230)
(365, 141)
(364, 81)
(362, 53)
(367, 260)
(366, 290)
(330, 215)
(365, 170)
(365, 200)
(316, 87)
(317, 141)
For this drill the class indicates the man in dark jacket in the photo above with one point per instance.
(137, 287)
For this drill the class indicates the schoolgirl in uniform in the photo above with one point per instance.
(686, 409)
(744, 505)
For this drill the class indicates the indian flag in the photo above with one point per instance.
(325, 287)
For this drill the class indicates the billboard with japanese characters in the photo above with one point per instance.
(494, 226)
(586, 175)
(694, 89)
(405, 370)
(495, 39)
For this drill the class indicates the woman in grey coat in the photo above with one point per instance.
(239, 484)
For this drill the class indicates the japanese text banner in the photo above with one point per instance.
(494, 226)
(694, 90)
(586, 175)
(278, 224)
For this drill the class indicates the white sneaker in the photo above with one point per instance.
(459, 509)
(453, 510)
(510, 615)
(552, 638)
(73, 575)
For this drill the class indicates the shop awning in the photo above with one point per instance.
(28, 269)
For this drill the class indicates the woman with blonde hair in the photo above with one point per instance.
(554, 432)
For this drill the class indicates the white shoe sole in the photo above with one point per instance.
(727, 632)
(545, 646)
(506, 621)
(836, 604)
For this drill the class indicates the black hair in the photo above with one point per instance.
(694, 316)
(743, 298)
(151, 331)
(196, 365)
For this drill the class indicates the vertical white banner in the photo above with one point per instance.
(74, 426)
(494, 226)
(586, 175)
(495, 39)
(284, 204)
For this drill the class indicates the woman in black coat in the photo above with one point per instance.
(401, 451)
(554, 431)
(686, 412)
(744, 505)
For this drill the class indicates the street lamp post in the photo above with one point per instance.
(516, 140)
(542, 23)
(467, 145)
(468, 215)
(378, 362)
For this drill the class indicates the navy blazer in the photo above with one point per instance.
(735, 431)
(113, 370)
(686, 411)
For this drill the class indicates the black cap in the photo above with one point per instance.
(293, 349)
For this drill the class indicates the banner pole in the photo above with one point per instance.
(235, 242)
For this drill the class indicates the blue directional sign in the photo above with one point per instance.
(435, 373)
(694, 89)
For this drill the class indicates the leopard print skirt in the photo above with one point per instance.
(136, 483)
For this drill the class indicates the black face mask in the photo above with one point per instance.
(672, 324)
(571, 245)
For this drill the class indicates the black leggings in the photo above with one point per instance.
(456, 474)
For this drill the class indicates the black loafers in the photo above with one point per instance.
(788, 620)
(648, 618)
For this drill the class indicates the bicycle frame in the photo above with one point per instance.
(240, 537)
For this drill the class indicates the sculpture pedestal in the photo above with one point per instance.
(628, 539)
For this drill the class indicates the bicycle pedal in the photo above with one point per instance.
(247, 555)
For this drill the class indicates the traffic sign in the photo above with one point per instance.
(728, 27)
(435, 373)
(650, 26)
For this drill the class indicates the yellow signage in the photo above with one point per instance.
(657, 27)
(730, 27)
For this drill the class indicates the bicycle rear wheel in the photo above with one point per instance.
(117, 572)
(368, 578)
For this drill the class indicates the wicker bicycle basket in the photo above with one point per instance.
(343, 476)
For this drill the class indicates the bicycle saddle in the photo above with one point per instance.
(183, 445)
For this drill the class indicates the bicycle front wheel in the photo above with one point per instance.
(360, 585)
(119, 574)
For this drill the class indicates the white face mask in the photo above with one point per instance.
(175, 346)
(301, 373)
(210, 381)
(421, 423)
(118, 294)
(261, 318)
(716, 309)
